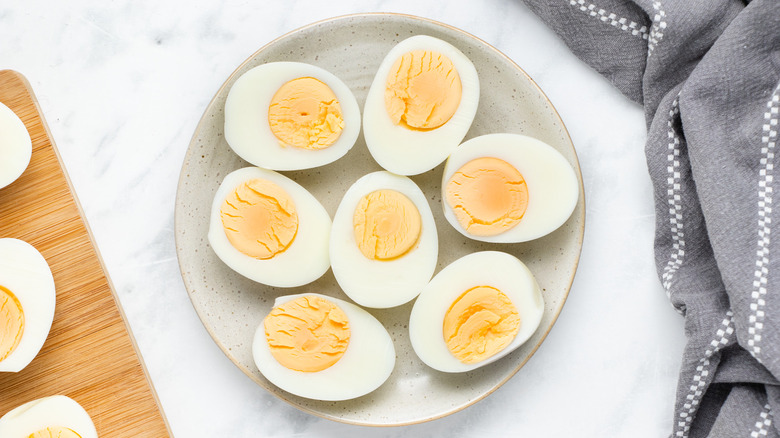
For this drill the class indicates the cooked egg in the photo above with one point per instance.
(290, 116)
(27, 298)
(269, 228)
(15, 146)
(475, 311)
(383, 245)
(322, 348)
(56, 416)
(420, 105)
(507, 188)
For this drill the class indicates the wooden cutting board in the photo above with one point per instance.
(90, 354)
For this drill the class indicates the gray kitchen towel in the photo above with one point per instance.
(707, 73)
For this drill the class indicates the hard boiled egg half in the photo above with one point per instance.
(322, 348)
(475, 311)
(383, 245)
(15, 146)
(507, 188)
(27, 297)
(269, 228)
(57, 416)
(420, 105)
(290, 116)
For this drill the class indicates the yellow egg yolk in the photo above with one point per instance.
(387, 225)
(11, 322)
(307, 334)
(55, 432)
(423, 90)
(488, 196)
(259, 218)
(306, 114)
(480, 323)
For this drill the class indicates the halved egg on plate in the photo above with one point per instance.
(420, 105)
(383, 245)
(269, 228)
(477, 310)
(290, 116)
(322, 348)
(507, 188)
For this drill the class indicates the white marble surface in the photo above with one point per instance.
(123, 84)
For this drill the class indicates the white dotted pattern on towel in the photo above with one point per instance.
(619, 22)
(674, 200)
(723, 337)
(758, 294)
(763, 424)
(658, 27)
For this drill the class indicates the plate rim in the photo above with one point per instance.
(580, 230)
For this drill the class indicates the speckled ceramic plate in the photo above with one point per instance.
(231, 307)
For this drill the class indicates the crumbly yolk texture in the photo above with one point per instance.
(480, 323)
(11, 322)
(305, 113)
(259, 218)
(423, 90)
(307, 334)
(488, 196)
(387, 225)
(55, 432)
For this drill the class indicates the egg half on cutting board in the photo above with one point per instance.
(15, 146)
(27, 299)
(57, 416)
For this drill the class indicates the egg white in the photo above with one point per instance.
(487, 268)
(382, 283)
(409, 152)
(246, 117)
(56, 410)
(553, 188)
(366, 364)
(25, 273)
(15, 146)
(304, 261)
